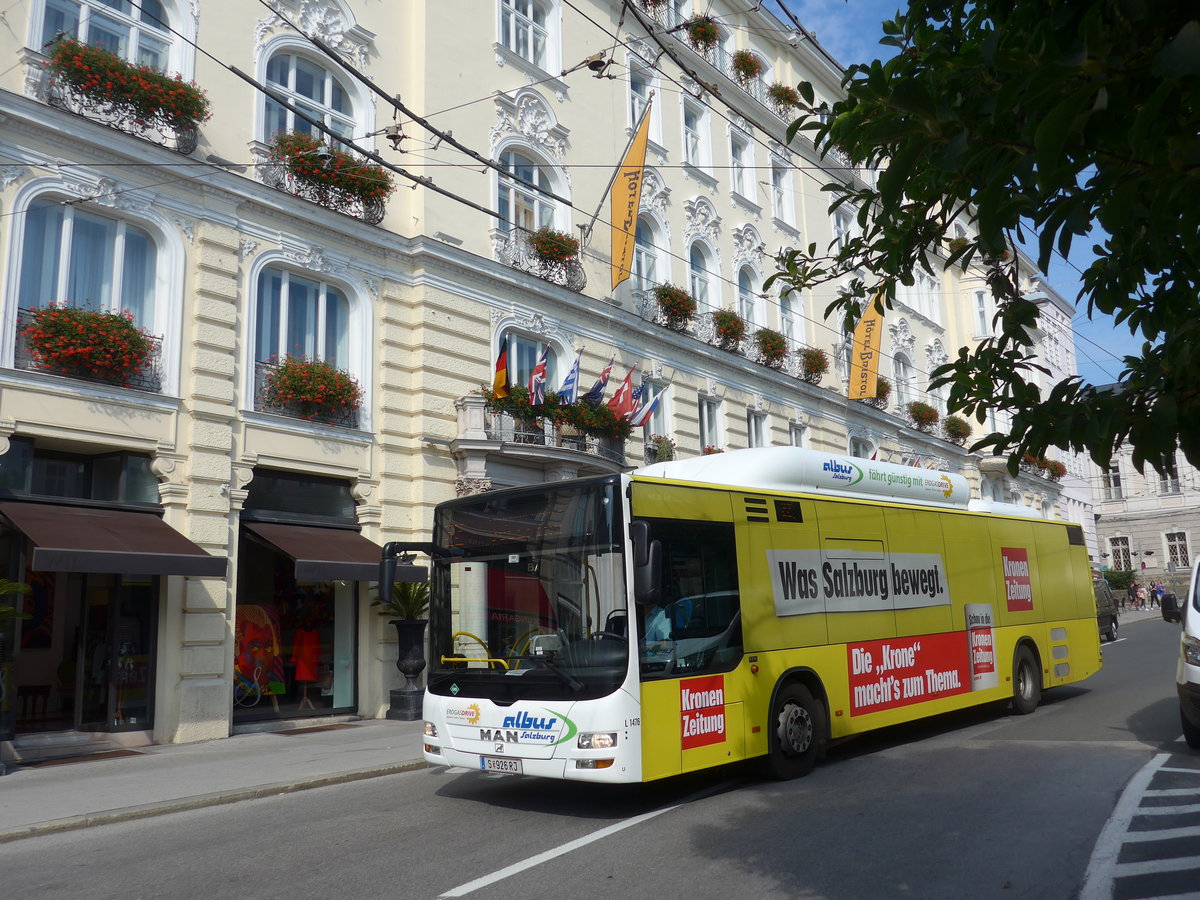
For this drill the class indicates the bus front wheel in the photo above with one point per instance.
(1027, 682)
(797, 733)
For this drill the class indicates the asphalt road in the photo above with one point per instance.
(979, 804)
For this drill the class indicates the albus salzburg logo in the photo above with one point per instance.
(842, 471)
(526, 729)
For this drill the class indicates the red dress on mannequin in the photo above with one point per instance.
(306, 649)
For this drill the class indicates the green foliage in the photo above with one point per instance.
(311, 160)
(598, 421)
(409, 601)
(677, 305)
(551, 246)
(772, 347)
(1061, 116)
(1119, 579)
(703, 33)
(921, 415)
(730, 328)
(312, 388)
(815, 362)
(746, 65)
(956, 429)
(96, 345)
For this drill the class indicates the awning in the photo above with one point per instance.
(108, 541)
(323, 554)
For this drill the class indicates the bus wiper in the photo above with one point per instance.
(567, 678)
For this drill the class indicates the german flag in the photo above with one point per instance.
(500, 379)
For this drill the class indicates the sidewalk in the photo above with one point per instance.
(154, 780)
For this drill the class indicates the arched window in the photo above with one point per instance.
(902, 379)
(747, 298)
(787, 315)
(300, 316)
(74, 256)
(519, 204)
(136, 32)
(524, 351)
(645, 255)
(525, 29)
(699, 279)
(312, 88)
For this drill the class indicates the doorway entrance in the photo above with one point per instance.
(85, 658)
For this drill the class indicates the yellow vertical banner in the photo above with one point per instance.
(864, 358)
(626, 197)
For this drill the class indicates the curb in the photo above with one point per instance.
(201, 801)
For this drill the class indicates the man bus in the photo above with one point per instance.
(756, 603)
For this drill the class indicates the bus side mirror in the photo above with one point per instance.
(647, 565)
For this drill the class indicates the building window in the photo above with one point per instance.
(993, 489)
(519, 204)
(787, 316)
(798, 434)
(1118, 548)
(136, 32)
(73, 256)
(781, 193)
(657, 423)
(902, 381)
(1177, 550)
(524, 31)
(747, 299)
(700, 279)
(523, 355)
(861, 448)
(1112, 483)
(645, 255)
(710, 424)
(643, 81)
(298, 316)
(756, 428)
(311, 88)
(695, 135)
(742, 166)
(983, 314)
(1168, 481)
(843, 229)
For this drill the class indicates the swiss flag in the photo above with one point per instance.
(622, 402)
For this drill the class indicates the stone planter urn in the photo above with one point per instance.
(406, 701)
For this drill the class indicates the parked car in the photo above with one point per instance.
(1106, 609)
(1187, 673)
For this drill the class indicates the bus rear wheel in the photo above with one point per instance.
(1027, 682)
(797, 734)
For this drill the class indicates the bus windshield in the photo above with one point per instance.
(528, 594)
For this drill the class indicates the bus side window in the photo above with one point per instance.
(700, 599)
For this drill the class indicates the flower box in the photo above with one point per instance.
(956, 429)
(814, 364)
(772, 347)
(569, 418)
(310, 168)
(883, 393)
(93, 345)
(552, 247)
(703, 33)
(729, 328)
(676, 306)
(921, 415)
(311, 389)
(745, 66)
(783, 98)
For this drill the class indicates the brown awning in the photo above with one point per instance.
(323, 554)
(108, 541)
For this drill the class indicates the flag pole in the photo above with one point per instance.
(586, 230)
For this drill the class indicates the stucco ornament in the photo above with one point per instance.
(329, 20)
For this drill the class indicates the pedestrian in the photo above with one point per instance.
(1156, 594)
(1141, 596)
(1130, 595)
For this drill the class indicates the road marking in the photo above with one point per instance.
(1097, 884)
(508, 871)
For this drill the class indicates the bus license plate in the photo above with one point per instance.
(500, 764)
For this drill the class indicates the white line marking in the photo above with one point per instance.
(1169, 810)
(1154, 866)
(1162, 834)
(1097, 885)
(508, 871)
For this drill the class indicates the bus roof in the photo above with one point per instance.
(796, 470)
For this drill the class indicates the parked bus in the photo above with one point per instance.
(756, 603)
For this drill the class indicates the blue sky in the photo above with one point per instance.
(850, 30)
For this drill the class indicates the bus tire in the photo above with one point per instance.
(1027, 682)
(797, 733)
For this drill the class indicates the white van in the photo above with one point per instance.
(1187, 675)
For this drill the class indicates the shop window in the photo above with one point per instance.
(300, 497)
(121, 477)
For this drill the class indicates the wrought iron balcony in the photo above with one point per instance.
(510, 429)
(64, 95)
(340, 415)
(276, 174)
(149, 379)
(512, 248)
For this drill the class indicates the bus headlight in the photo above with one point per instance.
(599, 740)
(1191, 650)
(430, 730)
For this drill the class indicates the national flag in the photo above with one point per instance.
(625, 198)
(569, 392)
(622, 402)
(643, 411)
(500, 379)
(537, 379)
(864, 358)
(596, 395)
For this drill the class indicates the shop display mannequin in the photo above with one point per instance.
(306, 649)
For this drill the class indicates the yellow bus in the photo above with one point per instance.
(756, 603)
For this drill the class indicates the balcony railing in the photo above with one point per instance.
(149, 379)
(64, 95)
(512, 249)
(340, 416)
(276, 174)
(541, 433)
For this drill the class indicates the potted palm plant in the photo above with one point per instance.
(407, 608)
